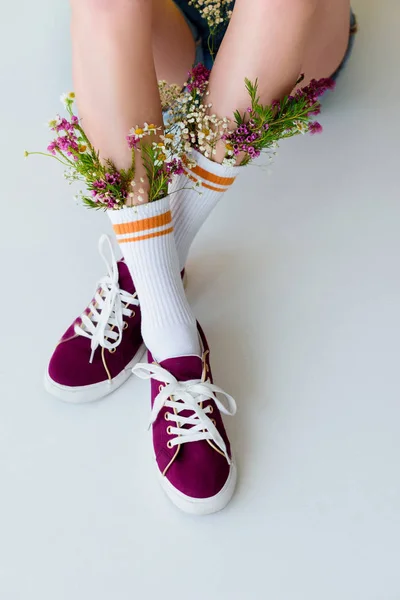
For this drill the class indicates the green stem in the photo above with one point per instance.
(69, 162)
(83, 134)
(50, 156)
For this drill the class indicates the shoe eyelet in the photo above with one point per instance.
(112, 350)
(210, 412)
(169, 429)
(132, 315)
(166, 416)
(160, 388)
(169, 445)
(213, 421)
(125, 325)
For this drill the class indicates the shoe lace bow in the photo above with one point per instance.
(187, 396)
(104, 323)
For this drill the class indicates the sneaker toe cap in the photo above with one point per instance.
(70, 366)
(199, 471)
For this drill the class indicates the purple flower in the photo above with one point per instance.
(133, 141)
(68, 144)
(64, 125)
(52, 147)
(276, 105)
(198, 78)
(315, 89)
(113, 178)
(99, 184)
(314, 127)
(174, 167)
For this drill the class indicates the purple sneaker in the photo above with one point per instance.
(96, 354)
(192, 450)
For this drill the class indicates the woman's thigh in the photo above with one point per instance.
(173, 42)
(329, 39)
(328, 42)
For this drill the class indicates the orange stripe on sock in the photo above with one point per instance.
(147, 236)
(214, 189)
(211, 177)
(150, 223)
(209, 187)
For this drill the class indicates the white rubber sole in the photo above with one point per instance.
(96, 391)
(201, 506)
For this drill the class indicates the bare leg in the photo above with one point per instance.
(173, 43)
(274, 41)
(114, 72)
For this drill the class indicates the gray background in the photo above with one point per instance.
(296, 281)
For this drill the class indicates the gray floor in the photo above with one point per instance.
(296, 280)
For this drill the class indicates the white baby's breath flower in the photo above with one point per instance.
(229, 162)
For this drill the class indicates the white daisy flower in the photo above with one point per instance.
(52, 123)
(67, 98)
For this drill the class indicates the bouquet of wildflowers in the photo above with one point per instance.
(257, 130)
(106, 186)
(191, 124)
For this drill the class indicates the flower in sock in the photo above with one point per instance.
(108, 187)
(251, 133)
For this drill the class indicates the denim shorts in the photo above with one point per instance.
(201, 33)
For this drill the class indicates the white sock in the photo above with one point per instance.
(146, 236)
(190, 208)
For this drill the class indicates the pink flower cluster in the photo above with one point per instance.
(101, 190)
(244, 138)
(174, 167)
(133, 141)
(67, 143)
(198, 79)
(311, 93)
(315, 127)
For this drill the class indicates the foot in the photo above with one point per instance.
(192, 450)
(96, 354)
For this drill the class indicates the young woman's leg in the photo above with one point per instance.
(114, 72)
(173, 43)
(274, 41)
(116, 89)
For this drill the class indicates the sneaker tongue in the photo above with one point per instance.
(125, 279)
(184, 368)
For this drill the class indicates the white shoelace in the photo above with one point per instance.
(104, 323)
(187, 395)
